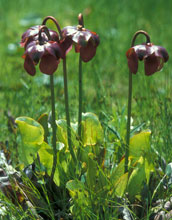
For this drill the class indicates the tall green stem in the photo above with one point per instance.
(67, 109)
(53, 124)
(65, 88)
(128, 121)
(130, 100)
(80, 98)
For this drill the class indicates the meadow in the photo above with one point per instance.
(105, 93)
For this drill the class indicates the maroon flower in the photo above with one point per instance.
(41, 44)
(85, 41)
(48, 54)
(33, 34)
(153, 56)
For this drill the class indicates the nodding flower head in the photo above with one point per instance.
(41, 45)
(33, 34)
(84, 40)
(153, 56)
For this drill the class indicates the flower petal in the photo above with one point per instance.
(95, 39)
(132, 60)
(161, 52)
(69, 31)
(32, 34)
(35, 51)
(48, 64)
(29, 66)
(77, 48)
(53, 49)
(88, 52)
(153, 64)
(66, 46)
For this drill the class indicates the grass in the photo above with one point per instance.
(105, 77)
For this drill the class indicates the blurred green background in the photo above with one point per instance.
(105, 76)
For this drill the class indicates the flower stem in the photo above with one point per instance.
(80, 99)
(65, 88)
(56, 23)
(128, 121)
(67, 110)
(130, 100)
(53, 124)
(81, 22)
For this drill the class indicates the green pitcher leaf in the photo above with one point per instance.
(140, 147)
(61, 132)
(91, 129)
(43, 120)
(30, 130)
(118, 172)
(121, 184)
(149, 167)
(32, 136)
(140, 144)
(135, 182)
(91, 172)
(74, 185)
(46, 158)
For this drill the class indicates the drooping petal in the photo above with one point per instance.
(95, 38)
(153, 64)
(66, 46)
(54, 35)
(35, 51)
(53, 49)
(29, 66)
(30, 33)
(88, 52)
(77, 48)
(48, 64)
(78, 37)
(132, 60)
(88, 34)
(161, 52)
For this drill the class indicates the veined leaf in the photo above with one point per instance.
(62, 132)
(32, 136)
(140, 144)
(91, 172)
(91, 129)
(140, 148)
(118, 171)
(46, 157)
(121, 184)
(149, 167)
(74, 185)
(43, 120)
(30, 130)
(136, 179)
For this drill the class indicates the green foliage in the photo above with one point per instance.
(61, 132)
(32, 137)
(141, 163)
(91, 129)
(105, 90)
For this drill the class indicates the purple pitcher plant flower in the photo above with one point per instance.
(84, 40)
(41, 45)
(32, 34)
(153, 56)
